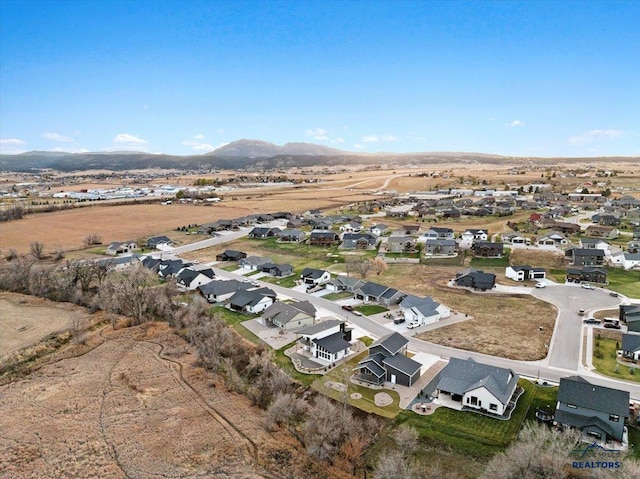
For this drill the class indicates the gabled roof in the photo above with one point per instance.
(630, 342)
(285, 312)
(580, 392)
(461, 376)
(157, 240)
(333, 343)
(223, 287)
(580, 421)
(373, 289)
(319, 327)
(403, 364)
(375, 368)
(392, 342)
(442, 242)
(249, 298)
(347, 281)
(587, 252)
(255, 260)
(426, 306)
(312, 273)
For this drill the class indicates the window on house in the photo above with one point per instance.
(493, 407)
(474, 401)
(614, 417)
(594, 434)
(572, 406)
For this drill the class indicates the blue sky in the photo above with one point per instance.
(540, 78)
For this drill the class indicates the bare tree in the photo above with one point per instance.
(377, 265)
(92, 239)
(327, 429)
(406, 439)
(358, 265)
(36, 249)
(393, 465)
(286, 410)
(11, 255)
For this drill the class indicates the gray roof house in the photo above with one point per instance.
(344, 283)
(359, 241)
(263, 232)
(217, 291)
(471, 278)
(289, 316)
(423, 310)
(477, 386)
(254, 262)
(378, 293)
(585, 256)
(156, 241)
(277, 270)
(191, 278)
(599, 412)
(252, 301)
(291, 236)
(524, 273)
(326, 342)
(118, 247)
(401, 244)
(387, 361)
(231, 255)
(631, 346)
(315, 276)
(433, 247)
(630, 314)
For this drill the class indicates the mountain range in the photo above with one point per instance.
(246, 153)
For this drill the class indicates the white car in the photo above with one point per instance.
(587, 286)
(413, 325)
(540, 285)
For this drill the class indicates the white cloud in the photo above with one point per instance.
(57, 137)
(199, 136)
(11, 146)
(317, 134)
(370, 139)
(129, 139)
(198, 145)
(515, 123)
(593, 136)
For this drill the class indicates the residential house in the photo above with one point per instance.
(254, 263)
(553, 238)
(476, 386)
(231, 255)
(118, 263)
(351, 228)
(626, 260)
(359, 241)
(288, 316)
(472, 235)
(151, 263)
(515, 238)
(252, 301)
(315, 277)
(401, 244)
(190, 278)
(291, 236)
(171, 267)
(608, 232)
(323, 238)
(525, 273)
(379, 229)
(219, 291)
(295, 223)
(631, 346)
(585, 257)
(451, 213)
(277, 270)
(598, 411)
(370, 292)
(608, 220)
(633, 246)
(328, 341)
(471, 278)
(630, 315)
(435, 233)
(422, 310)
(387, 361)
(407, 230)
(587, 274)
(121, 247)
(440, 247)
(344, 283)
(487, 249)
(263, 232)
(595, 243)
(159, 242)
(565, 228)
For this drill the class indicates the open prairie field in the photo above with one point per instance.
(130, 404)
(25, 320)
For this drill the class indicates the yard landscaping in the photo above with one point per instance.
(624, 282)
(604, 360)
(370, 309)
(234, 319)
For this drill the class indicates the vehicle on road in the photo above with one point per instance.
(540, 285)
(398, 321)
(614, 294)
(347, 307)
(581, 312)
(612, 325)
(413, 324)
(357, 313)
(586, 286)
(591, 321)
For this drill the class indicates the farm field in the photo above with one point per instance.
(25, 320)
(133, 390)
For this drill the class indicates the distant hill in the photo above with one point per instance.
(264, 149)
(257, 154)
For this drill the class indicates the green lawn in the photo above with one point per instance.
(470, 433)
(284, 363)
(286, 282)
(634, 440)
(558, 275)
(604, 360)
(231, 267)
(337, 296)
(544, 398)
(235, 320)
(624, 282)
(403, 255)
(369, 309)
(367, 402)
(490, 262)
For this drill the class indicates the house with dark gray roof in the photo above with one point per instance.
(525, 273)
(328, 341)
(323, 238)
(589, 275)
(254, 263)
(230, 255)
(252, 301)
(263, 232)
(277, 270)
(359, 241)
(599, 412)
(487, 249)
(344, 283)
(585, 256)
(159, 241)
(434, 247)
(471, 278)
(118, 247)
(422, 310)
(218, 291)
(171, 267)
(476, 386)
(370, 292)
(631, 346)
(190, 278)
(289, 316)
(630, 315)
(291, 236)
(314, 276)
(387, 362)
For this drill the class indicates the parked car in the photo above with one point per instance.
(614, 294)
(612, 325)
(581, 312)
(587, 286)
(357, 313)
(540, 285)
(398, 321)
(412, 325)
(347, 307)
(591, 321)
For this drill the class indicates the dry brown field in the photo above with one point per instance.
(25, 320)
(130, 403)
